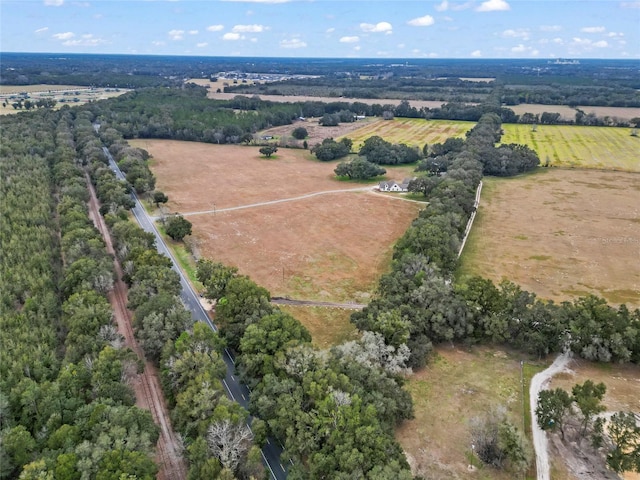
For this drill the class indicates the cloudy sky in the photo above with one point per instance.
(326, 28)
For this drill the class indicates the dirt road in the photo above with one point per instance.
(540, 441)
(146, 386)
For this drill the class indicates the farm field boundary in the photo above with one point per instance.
(608, 148)
(560, 233)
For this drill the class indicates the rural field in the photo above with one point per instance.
(332, 246)
(561, 233)
(460, 384)
(455, 387)
(609, 148)
(63, 94)
(328, 326)
(410, 131)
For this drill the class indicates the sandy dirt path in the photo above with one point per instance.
(540, 441)
(146, 385)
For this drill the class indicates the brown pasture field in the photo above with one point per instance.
(330, 247)
(560, 233)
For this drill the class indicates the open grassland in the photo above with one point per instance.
(331, 246)
(577, 146)
(560, 233)
(455, 387)
(328, 326)
(569, 113)
(410, 131)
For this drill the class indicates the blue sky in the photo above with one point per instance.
(326, 28)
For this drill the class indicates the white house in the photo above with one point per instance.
(393, 186)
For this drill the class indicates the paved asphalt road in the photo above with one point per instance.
(235, 390)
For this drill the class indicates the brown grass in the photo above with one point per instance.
(329, 247)
(560, 234)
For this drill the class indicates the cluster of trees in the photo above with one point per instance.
(359, 169)
(329, 149)
(67, 411)
(580, 413)
(379, 151)
(334, 411)
(28, 104)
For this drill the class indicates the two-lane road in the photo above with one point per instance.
(236, 390)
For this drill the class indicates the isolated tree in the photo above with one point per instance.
(178, 227)
(553, 407)
(159, 197)
(300, 133)
(588, 397)
(268, 150)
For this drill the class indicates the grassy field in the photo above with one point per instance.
(457, 386)
(560, 233)
(328, 326)
(331, 247)
(607, 148)
(410, 131)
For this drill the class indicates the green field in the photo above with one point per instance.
(607, 148)
(410, 131)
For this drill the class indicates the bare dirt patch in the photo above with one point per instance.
(561, 234)
(330, 247)
(328, 326)
(457, 386)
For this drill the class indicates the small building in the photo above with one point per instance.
(393, 186)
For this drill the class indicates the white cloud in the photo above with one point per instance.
(401, 45)
(249, 28)
(601, 44)
(593, 29)
(425, 21)
(87, 40)
(581, 41)
(630, 5)
(558, 40)
(293, 43)
(64, 36)
(232, 36)
(193, 32)
(615, 34)
(215, 28)
(330, 30)
(352, 39)
(201, 44)
(550, 28)
(41, 30)
(176, 34)
(493, 6)
(535, 53)
(519, 33)
(53, 3)
(519, 48)
(357, 48)
(476, 53)
(158, 43)
(381, 27)
(443, 6)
